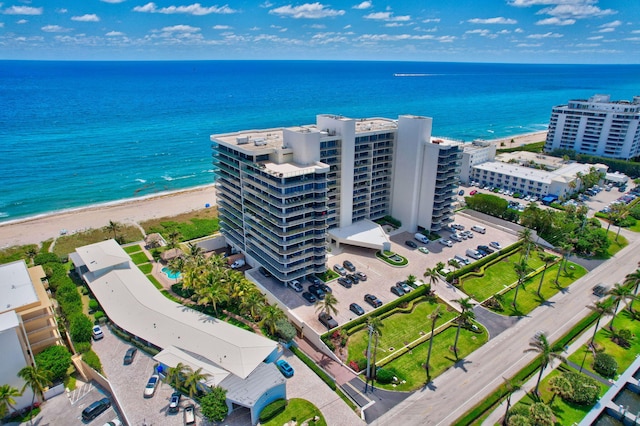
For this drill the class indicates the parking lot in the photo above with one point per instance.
(381, 275)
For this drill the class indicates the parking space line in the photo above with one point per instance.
(79, 393)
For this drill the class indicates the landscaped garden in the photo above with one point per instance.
(297, 410)
(392, 258)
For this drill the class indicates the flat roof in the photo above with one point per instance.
(16, 288)
(566, 173)
(102, 255)
(364, 233)
(8, 320)
(134, 304)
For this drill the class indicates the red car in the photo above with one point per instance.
(474, 192)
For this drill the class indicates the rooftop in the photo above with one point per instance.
(363, 233)
(16, 288)
(566, 173)
(134, 304)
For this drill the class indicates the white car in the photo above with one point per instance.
(496, 245)
(96, 332)
(114, 422)
(444, 242)
(152, 384)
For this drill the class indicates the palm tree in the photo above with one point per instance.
(547, 353)
(633, 279)
(511, 386)
(527, 241)
(173, 236)
(431, 274)
(376, 324)
(565, 250)
(616, 214)
(618, 293)
(176, 375)
(454, 263)
(37, 379)
(328, 305)
(522, 269)
(411, 280)
(252, 303)
(601, 308)
(31, 253)
(434, 316)
(192, 380)
(7, 399)
(211, 294)
(113, 227)
(559, 385)
(270, 315)
(464, 318)
(548, 259)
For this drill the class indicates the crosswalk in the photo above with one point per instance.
(80, 392)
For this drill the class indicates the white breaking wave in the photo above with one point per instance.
(170, 178)
(4, 214)
(141, 180)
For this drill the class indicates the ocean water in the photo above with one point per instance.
(74, 134)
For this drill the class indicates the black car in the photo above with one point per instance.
(344, 282)
(485, 250)
(327, 320)
(316, 290)
(372, 300)
(349, 266)
(354, 278)
(356, 309)
(309, 297)
(174, 403)
(95, 409)
(600, 290)
(130, 355)
(411, 244)
(398, 291)
(361, 275)
(325, 288)
(314, 280)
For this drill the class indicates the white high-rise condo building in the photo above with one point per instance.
(597, 126)
(284, 192)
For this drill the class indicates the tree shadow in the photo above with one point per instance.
(461, 364)
(428, 384)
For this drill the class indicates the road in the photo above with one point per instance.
(451, 394)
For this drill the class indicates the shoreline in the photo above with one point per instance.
(46, 226)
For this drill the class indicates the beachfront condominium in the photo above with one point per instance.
(597, 126)
(282, 191)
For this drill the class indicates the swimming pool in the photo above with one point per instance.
(174, 275)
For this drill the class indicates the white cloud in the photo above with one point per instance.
(318, 26)
(632, 39)
(446, 39)
(545, 35)
(387, 16)
(266, 5)
(556, 21)
(61, 10)
(393, 24)
(114, 33)
(527, 3)
(55, 29)
(22, 21)
(426, 21)
(635, 32)
(1, 24)
(221, 27)
(518, 30)
(113, 1)
(529, 44)
(308, 11)
(86, 18)
(363, 5)
(496, 20)
(181, 29)
(576, 11)
(613, 24)
(480, 32)
(595, 38)
(23, 10)
(192, 9)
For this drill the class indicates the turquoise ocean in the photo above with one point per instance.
(74, 134)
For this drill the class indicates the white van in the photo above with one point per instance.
(422, 238)
(478, 228)
(474, 254)
(238, 264)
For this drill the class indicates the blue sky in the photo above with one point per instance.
(525, 31)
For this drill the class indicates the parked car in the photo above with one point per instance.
(174, 402)
(309, 297)
(456, 237)
(356, 309)
(316, 290)
(152, 384)
(327, 320)
(354, 278)
(129, 356)
(468, 233)
(485, 249)
(495, 244)
(372, 300)
(339, 269)
(361, 275)
(411, 244)
(314, 280)
(421, 237)
(398, 291)
(423, 250)
(95, 409)
(285, 368)
(345, 282)
(473, 192)
(461, 192)
(404, 286)
(190, 414)
(96, 332)
(238, 264)
(349, 266)
(444, 242)
(457, 226)
(295, 284)
(114, 422)
(325, 288)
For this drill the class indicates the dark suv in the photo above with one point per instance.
(95, 409)
(316, 290)
(349, 266)
(372, 300)
(327, 320)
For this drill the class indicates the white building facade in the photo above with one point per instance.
(596, 126)
(280, 191)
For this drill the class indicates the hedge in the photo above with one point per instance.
(272, 410)
(479, 264)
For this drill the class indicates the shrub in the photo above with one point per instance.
(605, 365)
(213, 405)
(80, 327)
(285, 330)
(43, 258)
(585, 389)
(92, 360)
(82, 347)
(384, 376)
(272, 410)
(93, 305)
(98, 315)
(56, 359)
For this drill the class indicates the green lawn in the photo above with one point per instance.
(528, 298)
(133, 249)
(139, 258)
(410, 366)
(68, 243)
(299, 410)
(624, 357)
(146, 268)
(566, 413)
(398, 330)
(497, 276)
(328, 275)
(615, 246)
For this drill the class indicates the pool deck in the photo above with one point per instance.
(607, 400)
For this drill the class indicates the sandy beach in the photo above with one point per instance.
(42, 228)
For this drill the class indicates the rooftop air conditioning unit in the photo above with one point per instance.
(260, 141)
(241, 140)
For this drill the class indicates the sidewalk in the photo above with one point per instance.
(337, 371)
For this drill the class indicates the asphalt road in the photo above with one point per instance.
(451, 394)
